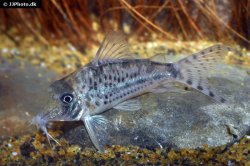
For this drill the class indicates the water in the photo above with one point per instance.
(182, 119)
(35, 50)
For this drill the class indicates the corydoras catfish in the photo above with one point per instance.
(114, 78)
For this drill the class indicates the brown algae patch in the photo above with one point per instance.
(34, 149)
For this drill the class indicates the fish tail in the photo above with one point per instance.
(193, 70)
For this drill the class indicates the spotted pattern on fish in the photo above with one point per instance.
(111, 83)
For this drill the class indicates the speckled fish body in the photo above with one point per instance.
(115, 77)
(110, 83)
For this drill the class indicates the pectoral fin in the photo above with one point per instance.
(129, 105)
(96, 127)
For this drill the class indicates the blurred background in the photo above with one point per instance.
(77, 21)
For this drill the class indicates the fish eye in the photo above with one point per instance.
(66, 98)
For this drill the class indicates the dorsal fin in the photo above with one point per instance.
(114, 46)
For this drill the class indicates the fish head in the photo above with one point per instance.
(63, 104)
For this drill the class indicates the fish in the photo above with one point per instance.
(116, 76)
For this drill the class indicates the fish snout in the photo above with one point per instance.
(39, 121)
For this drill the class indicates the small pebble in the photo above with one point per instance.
(72, 48)
(42, 64)
(5, 50)
(27, 113)
(14, 153)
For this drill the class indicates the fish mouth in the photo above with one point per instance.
(41, 123)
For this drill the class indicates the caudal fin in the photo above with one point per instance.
(193, 70)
